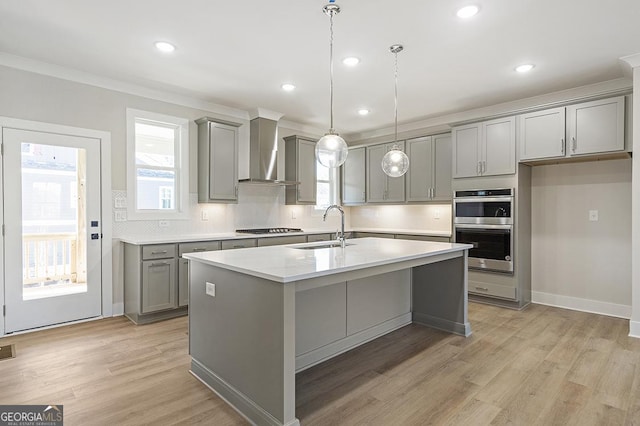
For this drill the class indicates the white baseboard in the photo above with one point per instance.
(584, 305)
(634, 329)
(118, 309)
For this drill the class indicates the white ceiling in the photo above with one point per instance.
(238, 53)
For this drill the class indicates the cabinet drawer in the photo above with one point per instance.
(198, 246)
(278, 241)
(158, 251)
(422, 238)
(243, 243)
(371, 234)
(492, 290)
(318, 237)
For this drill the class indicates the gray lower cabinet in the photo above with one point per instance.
(217, 161)
(319, 237)
(240, 243)
(278, 241)
(150, 282)
(183, 266)
(423, 238)
(359, 234)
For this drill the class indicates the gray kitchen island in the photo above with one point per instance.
(259, 315)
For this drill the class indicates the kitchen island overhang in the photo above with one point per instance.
(278, 310)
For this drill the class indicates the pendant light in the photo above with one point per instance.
(331, 149)
(395, 163)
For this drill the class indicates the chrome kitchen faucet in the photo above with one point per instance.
(324, 218)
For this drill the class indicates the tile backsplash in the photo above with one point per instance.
(259, 206)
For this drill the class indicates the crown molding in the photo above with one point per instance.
(64, 73)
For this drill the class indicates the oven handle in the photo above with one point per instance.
(505, 198)
(481, 227)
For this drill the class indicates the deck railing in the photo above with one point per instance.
(49, 257)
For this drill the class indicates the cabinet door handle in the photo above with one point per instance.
(574, 144)
(236, 190)
(363, 196)
(479, 168)
(562, 146)
(153, 265)
(482, 288)
(484, 167)
(159, 252)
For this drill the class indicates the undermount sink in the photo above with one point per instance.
(321, 246)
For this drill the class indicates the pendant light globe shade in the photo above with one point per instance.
(395, 163)
(331, 150)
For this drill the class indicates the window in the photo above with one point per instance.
(326, 186)
(157, 166)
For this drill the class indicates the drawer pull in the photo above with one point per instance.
(160, 264)
(159, 252)
(482, 289)
(238, 246)
(199, 249)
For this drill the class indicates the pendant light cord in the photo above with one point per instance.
(396, 97)
(331, 13)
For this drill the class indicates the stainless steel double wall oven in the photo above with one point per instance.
(484, 219)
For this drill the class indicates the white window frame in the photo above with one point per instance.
(333, 188)
(181, 210)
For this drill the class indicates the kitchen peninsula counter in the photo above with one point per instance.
(259, 315)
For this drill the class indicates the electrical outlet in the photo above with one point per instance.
(163, 223)
(120, 216)
(120, 203)
(436, 214)
(593, 215)
(204, 215)
(293, 214)
(211, 289)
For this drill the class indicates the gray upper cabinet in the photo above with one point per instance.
(380, 187)
(429, 175)
(542, 134)
(353, 177)
(217, 161)
(587, 128)
(484, 149)
(595, 127)
(300, 166)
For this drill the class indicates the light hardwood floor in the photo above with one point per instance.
(541, 366)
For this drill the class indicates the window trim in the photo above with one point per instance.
(334, 181)
(181, 210)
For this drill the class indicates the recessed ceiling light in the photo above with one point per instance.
(164, 46)
(467, 11)
(351, 61)
(288, 87)
(525, 67)
(363, 111)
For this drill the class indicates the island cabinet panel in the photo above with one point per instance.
(320, 317)
(374, 300)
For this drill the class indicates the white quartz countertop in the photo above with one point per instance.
(288, 263)
(169, 239)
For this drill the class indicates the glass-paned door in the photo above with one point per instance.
(52, 228)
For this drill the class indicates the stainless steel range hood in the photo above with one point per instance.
(263, 153)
